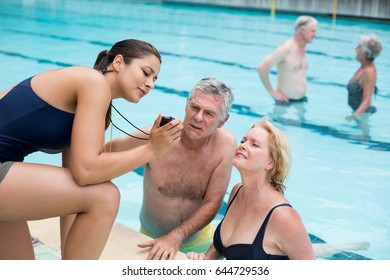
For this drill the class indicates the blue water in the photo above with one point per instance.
(339, 181)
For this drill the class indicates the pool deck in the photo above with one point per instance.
(121, 244)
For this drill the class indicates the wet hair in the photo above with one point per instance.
(129, 49)
(371, 46)
(303, 22)
(213, 86)
(279, 150)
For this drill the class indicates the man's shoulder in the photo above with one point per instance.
(224, 135)
(281, 51)
(286, 45)
(225, 141)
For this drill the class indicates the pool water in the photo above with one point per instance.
(339, 182)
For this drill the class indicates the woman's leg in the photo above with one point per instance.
(15, 241)
(33, 192)
(65, 225)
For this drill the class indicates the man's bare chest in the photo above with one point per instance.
(185, 178)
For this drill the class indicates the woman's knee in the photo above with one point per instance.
(109, 198)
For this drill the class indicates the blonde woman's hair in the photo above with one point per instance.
(279, 150)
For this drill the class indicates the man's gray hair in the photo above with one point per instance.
(213, 86)
(303, 22)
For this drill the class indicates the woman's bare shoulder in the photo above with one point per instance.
(71, 74)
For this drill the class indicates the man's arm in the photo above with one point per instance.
(274, 58)
(167, 246)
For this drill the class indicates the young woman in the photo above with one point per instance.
(67, 110)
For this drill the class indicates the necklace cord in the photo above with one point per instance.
(128, 120)
(112, 123)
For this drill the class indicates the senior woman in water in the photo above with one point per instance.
(362, 84)
(260, 223)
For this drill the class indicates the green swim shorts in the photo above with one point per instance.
(199, 245)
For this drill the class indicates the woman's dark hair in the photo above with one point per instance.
(129, 49)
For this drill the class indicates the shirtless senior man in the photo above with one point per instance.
(290, 58)
(184, 189)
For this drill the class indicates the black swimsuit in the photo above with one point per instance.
(254, 251)
(355, 96)
(29, 124)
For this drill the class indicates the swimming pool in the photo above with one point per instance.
(339, 181)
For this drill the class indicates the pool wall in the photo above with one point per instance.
(369, 9)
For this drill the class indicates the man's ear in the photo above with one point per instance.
(223, 121)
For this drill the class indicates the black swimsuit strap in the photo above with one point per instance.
(260, 235)
(234, 197)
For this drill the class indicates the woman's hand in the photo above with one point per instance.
(196, 256)
(162, 139)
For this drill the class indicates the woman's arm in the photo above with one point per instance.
(88, 163)
(290, 235)
(128, 142)
(211, 254)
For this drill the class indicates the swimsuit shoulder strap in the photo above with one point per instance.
(260, 236)
(234, 197)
